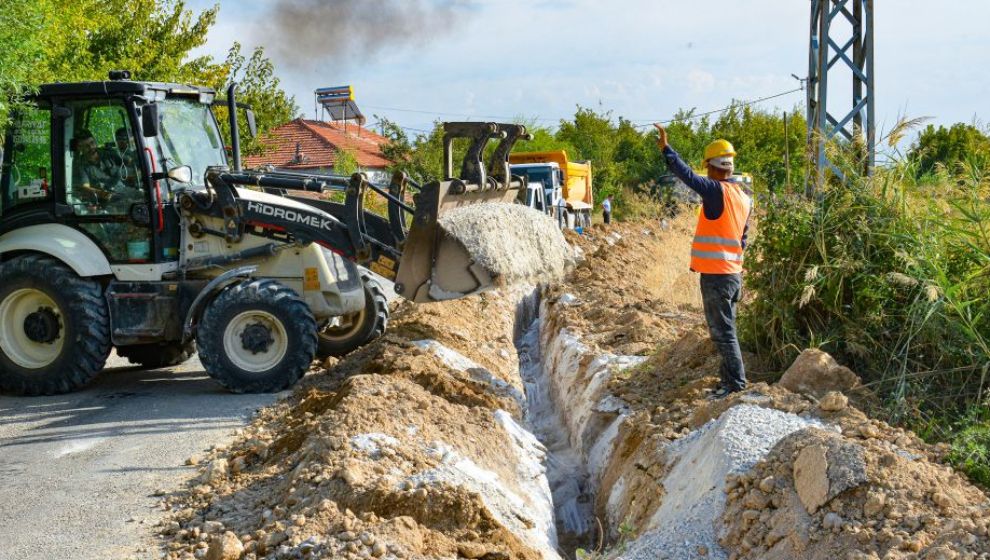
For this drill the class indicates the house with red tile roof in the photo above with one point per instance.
(314, 147)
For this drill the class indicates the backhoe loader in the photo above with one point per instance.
(124, 224)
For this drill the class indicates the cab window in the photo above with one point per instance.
(101, 162)
(103, 178)
(27, 159)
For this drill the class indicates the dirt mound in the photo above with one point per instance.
(412, 447)
(407, 448)
(634, 286)
(852, 487)
(822, 495)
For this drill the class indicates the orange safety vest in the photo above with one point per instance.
(717, 246)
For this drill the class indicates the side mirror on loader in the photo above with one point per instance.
(149, 120)
(182, 174)
(251, 122)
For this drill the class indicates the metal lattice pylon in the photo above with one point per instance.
(828, 50)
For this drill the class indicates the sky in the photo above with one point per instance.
(642, 59)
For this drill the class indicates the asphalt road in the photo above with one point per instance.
(78, 471)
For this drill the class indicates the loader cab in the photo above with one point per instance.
(104, 159)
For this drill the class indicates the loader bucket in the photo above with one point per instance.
(463, 229)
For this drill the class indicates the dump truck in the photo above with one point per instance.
(556, 186)
(124, 224)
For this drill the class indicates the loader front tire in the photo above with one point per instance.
(360, 328)
(54, 327)
(258, 336)
(157, 356)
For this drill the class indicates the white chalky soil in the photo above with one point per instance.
(518, 245)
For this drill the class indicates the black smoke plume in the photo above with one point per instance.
(308, 32)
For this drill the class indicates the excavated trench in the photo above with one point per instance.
(500, 427)
(566, 413)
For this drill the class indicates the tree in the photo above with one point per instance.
(259, 87)
(62, 40)
(421, 158)
(21, 45)
(594, 136)
(345, 163)
(960, 143)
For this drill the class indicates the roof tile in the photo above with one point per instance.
(319, 142)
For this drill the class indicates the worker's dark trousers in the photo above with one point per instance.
(720, 294)
(607, 217)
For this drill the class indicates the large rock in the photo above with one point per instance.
(815, 373)
(225, 547)
(811, 477)
(826, 467)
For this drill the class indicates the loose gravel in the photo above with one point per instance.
(686, 524)
(516, 244)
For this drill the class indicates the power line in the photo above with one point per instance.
(649, 122)
(464, 115)
(645, 122)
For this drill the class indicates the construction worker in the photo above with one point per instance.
(607, 209)
(717, 249)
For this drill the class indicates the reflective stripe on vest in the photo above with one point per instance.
(717, 246)
(717, 255)
(718, 240)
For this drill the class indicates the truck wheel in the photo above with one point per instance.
(258, 336)
(156, 356)
(54, 327)
(355, 330)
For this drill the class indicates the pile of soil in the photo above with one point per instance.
(634, 287)
(850, 486)
(397, 451)
(412, 446)
(866, 491)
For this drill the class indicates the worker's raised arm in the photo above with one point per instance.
(705, 186)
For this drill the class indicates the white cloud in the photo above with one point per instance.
(700, 81)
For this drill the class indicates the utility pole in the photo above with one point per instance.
(787, 158)
(841, 40)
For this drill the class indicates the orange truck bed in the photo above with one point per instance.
(577, 190)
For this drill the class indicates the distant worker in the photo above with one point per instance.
(607, 209)
(717, 249)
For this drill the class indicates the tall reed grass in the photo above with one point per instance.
(890, 274)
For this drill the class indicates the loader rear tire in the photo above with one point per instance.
(361, 327)
(258, 336)
(54, 327)
(157, 356)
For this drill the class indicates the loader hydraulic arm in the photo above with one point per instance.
(408, 245)
(364, 237)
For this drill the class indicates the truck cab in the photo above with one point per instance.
(565, 185)
(544, 190)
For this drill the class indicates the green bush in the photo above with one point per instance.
(970, 445)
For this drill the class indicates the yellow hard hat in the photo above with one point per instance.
(719, 148)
